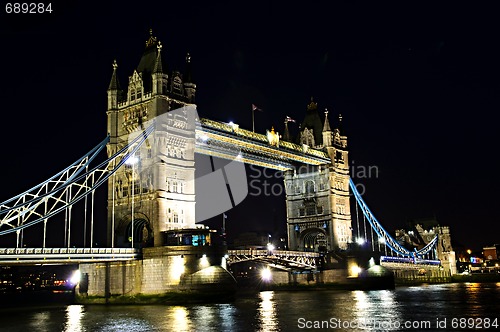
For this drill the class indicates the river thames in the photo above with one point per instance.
(459, 306)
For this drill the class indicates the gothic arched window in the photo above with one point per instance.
(309, 187)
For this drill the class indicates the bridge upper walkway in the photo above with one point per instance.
(229, 141)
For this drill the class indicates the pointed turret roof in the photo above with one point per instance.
(158, 69)
(326, 125)
(114, 84)
(148, 61)
(313, 121)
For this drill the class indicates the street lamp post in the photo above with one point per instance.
(132, 160)
(224, 216)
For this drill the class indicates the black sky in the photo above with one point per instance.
(417, 85)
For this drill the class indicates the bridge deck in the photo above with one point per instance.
(10, 256)
(281, 259)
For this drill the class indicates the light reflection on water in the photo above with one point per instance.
(376, 308)
(269, 311)
(74, 315)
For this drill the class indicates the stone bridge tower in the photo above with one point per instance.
(318, 209)
(154, 191)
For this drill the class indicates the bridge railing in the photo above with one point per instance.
(69, 251)
(264, 252)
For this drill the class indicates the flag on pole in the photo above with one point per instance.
(255, 108)
(289, 119)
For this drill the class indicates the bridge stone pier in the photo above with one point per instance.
(167, 273)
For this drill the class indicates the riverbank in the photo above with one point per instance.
(457, 278)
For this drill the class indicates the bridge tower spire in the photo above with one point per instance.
(113, 89)
(327, 132)
(114, 95)
(160, 79)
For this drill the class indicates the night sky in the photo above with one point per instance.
(417, 85)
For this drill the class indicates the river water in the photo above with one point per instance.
(427, 307)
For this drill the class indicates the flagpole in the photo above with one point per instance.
(253, 123)
(224, 229)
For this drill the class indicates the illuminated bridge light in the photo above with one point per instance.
(355, 270)
(266, 274)
(75, 277)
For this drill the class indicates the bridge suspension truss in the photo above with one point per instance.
(384, 243)
(63, 190)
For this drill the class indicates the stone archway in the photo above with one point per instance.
(143, 233)
(313, 239)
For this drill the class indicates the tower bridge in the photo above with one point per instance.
(154, 184)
